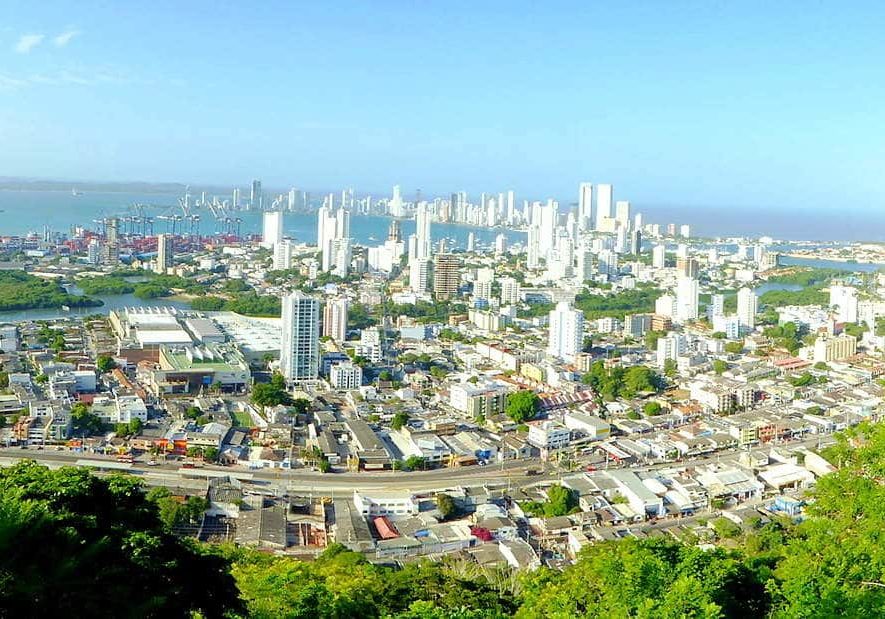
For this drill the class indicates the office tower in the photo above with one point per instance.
(500, 244)
(747, 306)
(585, 210)
(446, 276)
(716, 306)
(534, 247)
(291, 203)
(419, 275)
(509, 291)
(394, 232)
(164, 253)
(300, 339)
(687, 267)
(603, 205)
(272, 230)
(566, 336)
(335, 319)
(659, 256)
(637, 221)
(256, 200)
(622, 213)
(636, 242)
(282, 255)
(235, 199)
(471, 242)
(686, 299)
(422, 231)
(843, 299)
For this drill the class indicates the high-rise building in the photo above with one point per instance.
(500, 244)
(419, 275)
(282, 255)
(687, 267)
(335, 319)
(603, 205)
(686, 299)
(608, 263)
(509, 291)
(256, 199)
(747, 306)
(670, 347)
(534, 247)
(272, 229)
(622, 213)
(585, 210)
(636, 242)
(659, 256)
(164, 253)
(566, 336)
(110, 251)
(446, 276)
(471, 242)
(716, 306)
(235, 199)
(300, 340)
(843, 300)
(422, 231)
(394, 232)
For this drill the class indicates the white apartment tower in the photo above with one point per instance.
(747, 306)
(335, 319)
(566, 335)
(686, 299)
(585, 209)
(272, 230)
(603, 204)
(164, 253)
(300, 340)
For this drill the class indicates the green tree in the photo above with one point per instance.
(105, 363)
(135, 426)
(103, 551)
(522, 405)
(651, 409)
(84, 422)
(719, 366)
(670, 368)
(446, 505)
(399, 420)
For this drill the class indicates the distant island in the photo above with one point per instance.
(22, 291)
(85, 187)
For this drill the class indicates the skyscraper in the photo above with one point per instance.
(659, 256)
(335, 319)
(419, 275)
(747, 306)
(686, 299)
(422, 231)
(164, 253)
(566, 336)
(603, 204)
(585, 210)
(534, 247)
(446, 276)
(282, 255)
(272, 229)
(622, 213)
(256, 200)
(300, 340)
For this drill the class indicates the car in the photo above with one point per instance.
(153, 463)
(591, 468)
(188, 465)
(482, 463)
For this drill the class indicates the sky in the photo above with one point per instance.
(702, 104)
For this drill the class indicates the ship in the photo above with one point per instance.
(76, 193)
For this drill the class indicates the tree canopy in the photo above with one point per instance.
(522, 405)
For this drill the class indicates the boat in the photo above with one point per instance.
(76, 193)
(66, 308)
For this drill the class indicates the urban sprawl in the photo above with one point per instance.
(604, 378)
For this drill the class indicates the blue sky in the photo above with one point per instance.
(712, 104)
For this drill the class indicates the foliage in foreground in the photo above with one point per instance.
(71, 543)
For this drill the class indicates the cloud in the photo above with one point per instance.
(27, 42)
(65, 37)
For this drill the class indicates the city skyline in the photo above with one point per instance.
(703, 107)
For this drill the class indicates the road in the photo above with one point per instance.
(300, 481)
